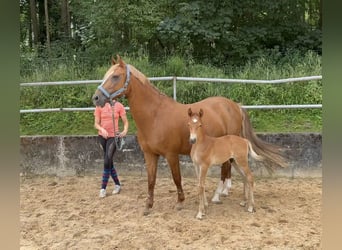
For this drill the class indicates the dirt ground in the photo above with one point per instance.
(66, 213)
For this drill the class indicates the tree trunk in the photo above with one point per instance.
(34, 22)
(320, 14)
(65, 18)
(47, 25)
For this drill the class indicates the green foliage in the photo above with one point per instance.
(216, 32)
(270, 66)
(250, 39)
(239, 30)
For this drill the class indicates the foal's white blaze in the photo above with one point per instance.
(192, 134)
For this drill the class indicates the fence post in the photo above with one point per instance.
(174, 88)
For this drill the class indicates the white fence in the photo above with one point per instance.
(174, 79)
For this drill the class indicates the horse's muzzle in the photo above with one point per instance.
(99, 99)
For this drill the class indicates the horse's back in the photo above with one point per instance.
(221, 116)
(170, 133)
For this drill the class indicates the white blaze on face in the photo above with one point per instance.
(192, 132)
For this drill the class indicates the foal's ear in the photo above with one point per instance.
(201, 113)
(189, 112)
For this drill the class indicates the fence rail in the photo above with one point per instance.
(179, 78)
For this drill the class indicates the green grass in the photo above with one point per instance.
(267, 67)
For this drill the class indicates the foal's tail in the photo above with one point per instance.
(253, 153)
(269, 152)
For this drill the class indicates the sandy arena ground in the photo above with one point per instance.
(66, 213)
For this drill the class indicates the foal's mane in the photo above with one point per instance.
(143, 79)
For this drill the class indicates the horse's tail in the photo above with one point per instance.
(268, 151)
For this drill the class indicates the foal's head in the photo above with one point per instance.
(194, 123)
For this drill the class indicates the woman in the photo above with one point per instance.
(107, 129)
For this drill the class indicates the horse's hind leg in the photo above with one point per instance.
(224, 184)
(151, 167)
(226, 177)
(173, 161)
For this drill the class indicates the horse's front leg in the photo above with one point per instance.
(151, 167)
(224, 184)
(173, 160)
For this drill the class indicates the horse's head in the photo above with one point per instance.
(114, 84)
(194, 123)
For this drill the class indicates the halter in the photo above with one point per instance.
(119, 91)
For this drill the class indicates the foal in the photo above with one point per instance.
(208, 151)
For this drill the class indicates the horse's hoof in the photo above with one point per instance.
(225, 192)
(146, 211)
(179, 206)
(216, 201)
(242, 203)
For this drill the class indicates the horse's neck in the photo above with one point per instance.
(144, 100)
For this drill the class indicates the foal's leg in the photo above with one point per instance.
(201, 191)
(173, 161)
(250, 185)
(151, 167)
(237, 165)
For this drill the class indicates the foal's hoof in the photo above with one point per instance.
(199, 216)
(251, 209)
(242, 203)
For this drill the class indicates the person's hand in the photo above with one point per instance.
(104, 133)
(122, 134)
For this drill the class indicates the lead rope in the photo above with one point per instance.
(119, 142)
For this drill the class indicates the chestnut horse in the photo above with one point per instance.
(207, 151)
(161, 123)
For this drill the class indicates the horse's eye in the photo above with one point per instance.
(115, 77)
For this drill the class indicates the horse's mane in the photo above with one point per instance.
(143, 79)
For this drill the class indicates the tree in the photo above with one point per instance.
(47, 25)
(238, 30)
(217, 31)
(65, 19)
(34, 22)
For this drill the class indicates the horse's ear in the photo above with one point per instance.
(189, 112)
(113, 61)
(120, 61)
(201, 113)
